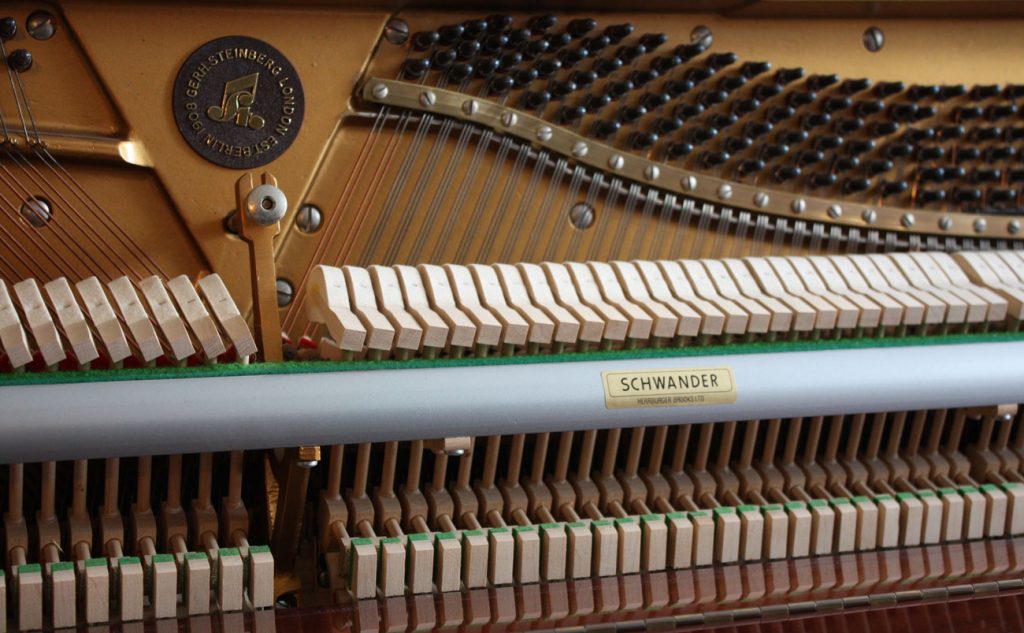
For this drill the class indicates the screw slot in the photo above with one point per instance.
(309, 218)
(41, 25)
(581, 215)
(396, 31)
(874, 39)
(285, 293)
(37, 211)
(702, 35)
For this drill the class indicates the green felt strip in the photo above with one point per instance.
(302, 367)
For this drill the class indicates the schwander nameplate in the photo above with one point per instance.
(668, 388)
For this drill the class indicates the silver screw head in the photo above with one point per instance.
(309, 218)
(651, 172)
(544, 133)
(688, 183)
(266, 204)
(308, 464)
(508, 119)
(396, 31)
(945, 223)
(1013, 227)
(580, 149)
(455, 452)
(702, 35)
(980, 225)
(36, 211)
(581, 215)
(907, 220)
(874, 39)
(41, 25)
(470, 107)
(379, 91)
(285, 293)
(798, 206)
(869, 216)
(761, 199)
(835, 211)
(725, 192)
(428, 98)
(616, 161)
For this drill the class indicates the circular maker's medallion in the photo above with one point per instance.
(238, 102)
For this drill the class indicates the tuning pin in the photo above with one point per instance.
(595, 102)
(618, 32)
(651, 41)
(788, 75)
(450, 34)
(500, 84)
(859, 146)
(853, 86)
(798, 99)
(823, 179)
(424, 40)
(557, 41)
(711, 97)
(595, 45)
(678, 150)
(754, 129)
(487, 67)
(885, 89)
(541, 23)
(518, 37)
(442, 58)
(8, 28)
(950, 92)
(827, 142)
(20, 60)
(718, 61)
(898, 150)
(849, 126)
(664, 64)
(979, 93)
(698, 135)
(835, 104)
(764, 92)
(891, 188)
(499, 23)
(750, 166)
(782, 173)
(628, 113)
(1001, 111)
(771, 151)
(510, 60)
(687, 111)
(1001, 196)
(582, 78)
(629, 54)
(523, 76)
(813, 120)
(978, 133)
(854, 185)
(603, 129)
(846, 163)
(666, 125)
(809, 157)
(467, 49)
(731, 83)
(547, 67)
(1014, 91)
(882, 128)
(415, 68)
(918, 92)
(617, 89)
(492, 44)
(676, 87)
(686, 52)
(474, 29)
(927, 196)
(791, 137)
(697, 75)
(722, 120)
(966, 194)
(749, 70)
(967, 154)
(580, 27)
(711, 159)
(642, 140)
(966, 113)
(867, 108)
(535, 48)
(572, 56)
(606, 66)
(653, 100)
(642, 77)
(930, 153)
(741, 107)
(955, 172)
(562, 88)
(460, 72)
(1015, 175)
(878, 166)
(931, 174)
(569, 114)
(819, 82)
(986, 175)
(902, 111)
(778, 114)
(535, 100)
(1015, 133)
(919, 135)
(736, 144)
(925, 112)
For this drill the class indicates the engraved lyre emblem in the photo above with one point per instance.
(239, 95)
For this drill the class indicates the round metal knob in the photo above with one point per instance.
(266, 205)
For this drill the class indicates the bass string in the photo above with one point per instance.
(681, 230)
(632, 196)
(469, 231)
(522, 211)
(577, 234)
(603, 220)
(664, 224)
(485, 246)
(555, 233)
(640, 233)
(555, 183)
